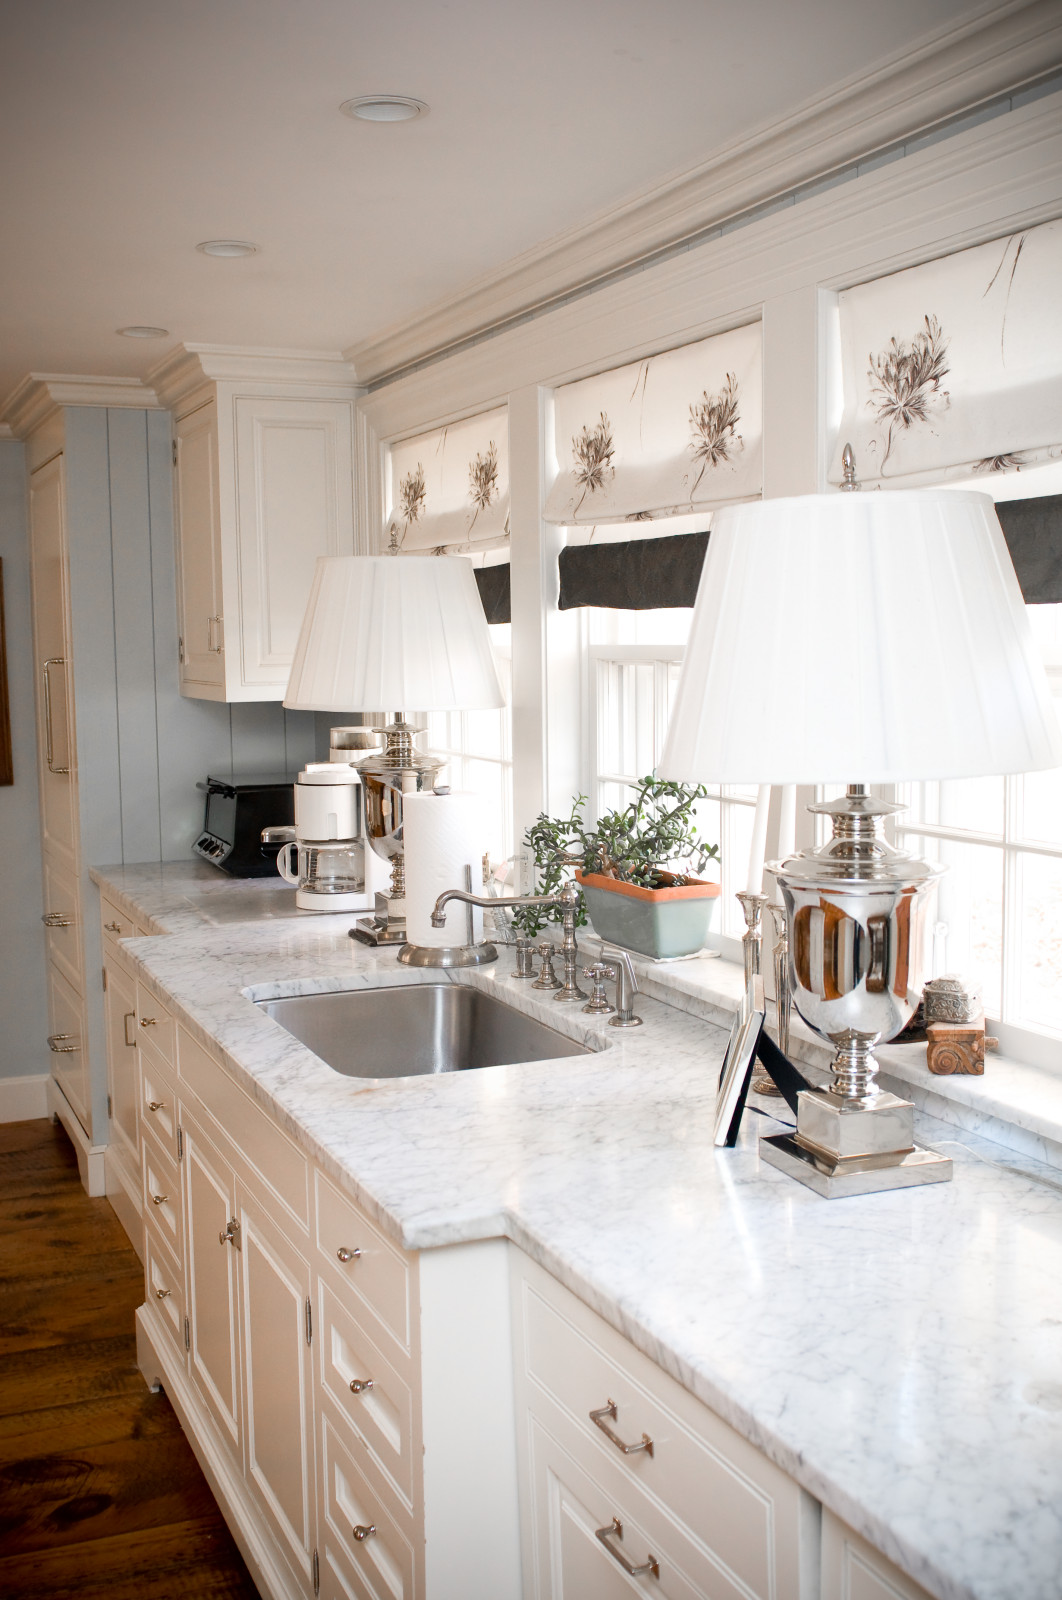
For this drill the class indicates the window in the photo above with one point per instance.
(634, 661)
(477, 747)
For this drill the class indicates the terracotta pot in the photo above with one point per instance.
(655, 922)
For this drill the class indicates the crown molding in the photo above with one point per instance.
(189, 366)
(953, 72)
(40, 394)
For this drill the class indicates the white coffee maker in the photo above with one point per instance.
(328, 840)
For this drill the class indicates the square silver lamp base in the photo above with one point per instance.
(854, 1147)
(834, 1179)
(369, 931)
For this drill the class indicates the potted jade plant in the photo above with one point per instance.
(623, 863)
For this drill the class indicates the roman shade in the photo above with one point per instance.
(677, 432)
(449, 489)
(954, 367)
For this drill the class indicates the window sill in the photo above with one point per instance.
(1014, 1104)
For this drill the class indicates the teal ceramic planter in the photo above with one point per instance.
(661, 923)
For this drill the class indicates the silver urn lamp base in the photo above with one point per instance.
(386, 775)
(857, 912)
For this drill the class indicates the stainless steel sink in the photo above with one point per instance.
(415, 1029)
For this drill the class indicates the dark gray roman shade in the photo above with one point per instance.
(1033, 530)
(638, 575)
(495, 592)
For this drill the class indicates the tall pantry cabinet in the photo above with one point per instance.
(72, 452)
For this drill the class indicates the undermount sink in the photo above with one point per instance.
(415, 1029)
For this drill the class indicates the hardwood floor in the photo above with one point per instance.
(101, 1497)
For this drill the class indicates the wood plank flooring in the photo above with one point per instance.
(101, 1497)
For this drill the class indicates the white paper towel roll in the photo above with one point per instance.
(442, 835)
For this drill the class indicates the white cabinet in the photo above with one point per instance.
(853, 1570)
(122, 1160)
(621, 1468)
(264, 484)
(66, 1041)
(213, 1286)
(53, 663)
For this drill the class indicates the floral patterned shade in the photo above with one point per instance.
(955, 367)
(678, 432)
(449, 489)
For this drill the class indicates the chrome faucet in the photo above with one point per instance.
(567, 898)
(622, 969)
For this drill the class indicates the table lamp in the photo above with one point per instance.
(860, 639)
(385, 631)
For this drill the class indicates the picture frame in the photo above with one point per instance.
(737, 1067)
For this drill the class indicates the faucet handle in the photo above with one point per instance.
(547, 978)
(626, 988)
(599, 972)
(525, 957)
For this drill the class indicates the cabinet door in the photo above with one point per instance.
(199, 620)
(295, 502)
(66, 1040)
(274, 1301)
(56, 752)
(211, 1249)
(119, 1010)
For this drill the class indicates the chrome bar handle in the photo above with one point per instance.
(615, 1529)
(58, 1049)
(55, 919)
(52, 661)
(130, 1016)
(215, 649)
(609, 1410)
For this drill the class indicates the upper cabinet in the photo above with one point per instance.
(264, 484)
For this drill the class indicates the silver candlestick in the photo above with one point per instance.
(783, 994)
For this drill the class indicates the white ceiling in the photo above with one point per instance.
(133, 129)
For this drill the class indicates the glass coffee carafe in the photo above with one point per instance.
(329, 871)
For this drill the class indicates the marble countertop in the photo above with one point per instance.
(899, 1354)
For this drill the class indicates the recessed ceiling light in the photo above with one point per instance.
(143, 333)
(227, 247)
(383, 108)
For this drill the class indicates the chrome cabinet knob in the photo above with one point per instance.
(162, 1294)
(147, 1022)
(159, 1199)
(360, 1385)
(348, 1255)
(156, 1105)
(361, 1532)
(113, 927)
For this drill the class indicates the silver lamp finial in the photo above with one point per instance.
(848, 465)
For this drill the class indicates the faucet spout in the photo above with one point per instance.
(566, 898)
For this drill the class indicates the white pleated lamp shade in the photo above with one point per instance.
(393, 633)
(860, 638)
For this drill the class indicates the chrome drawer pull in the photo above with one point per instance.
(651, 1564)
(156, 1105)
(112, 927)
(159, 1199)
(361, 1532)
(58, 1049)
(161, 1294)
(55, 919)
(130, 1017)
(147, 1022)
(360, 1385)
(597, 1418)
(347, 1255)
(53, 661)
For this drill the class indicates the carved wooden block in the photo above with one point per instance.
(956, 1047)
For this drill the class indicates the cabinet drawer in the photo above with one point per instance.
(853, 1570)
(62, 923)
(115, 925)
(570, 1560)
(164, 1288)
(158, 1098)
(376, 1272)
(162, 1195)
(380, 1411)
(382, 1563)
(725, 1494)
(279, 1163)
(155, 1023)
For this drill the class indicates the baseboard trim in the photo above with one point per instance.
(124, 1194)
(159, 1366)
(90, 1157)
(24, 1099)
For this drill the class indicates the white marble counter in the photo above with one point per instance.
(899, 1354)
(180, 896)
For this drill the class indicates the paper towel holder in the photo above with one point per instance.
(451, 955)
